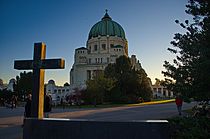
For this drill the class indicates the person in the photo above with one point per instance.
(27, 112)
(179, 102)
(14, 101)
(62, 103)
(47, 105)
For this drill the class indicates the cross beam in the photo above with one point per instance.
(44, 64)
(38, 64)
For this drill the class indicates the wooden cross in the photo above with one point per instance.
(38, 64)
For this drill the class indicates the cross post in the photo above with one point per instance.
(38, 65)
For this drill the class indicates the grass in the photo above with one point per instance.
(92, 106)
(108, 105)
(153, 102)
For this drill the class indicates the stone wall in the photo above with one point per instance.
(87, 129)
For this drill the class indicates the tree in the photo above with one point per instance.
(189, 74)
(120, 83)
(123, 70)
(145, 89)
(110, 72)
(6, 94)
(24, 83)
(130, 83)
(66, 84)
(98, 87)
(158, 82)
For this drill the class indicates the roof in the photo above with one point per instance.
(81, 48)
(106, 27)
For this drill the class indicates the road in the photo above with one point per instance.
(11, 119)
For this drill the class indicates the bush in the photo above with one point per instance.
(190, 128)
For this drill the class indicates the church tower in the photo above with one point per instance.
(106, 42)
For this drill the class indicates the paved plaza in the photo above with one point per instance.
(12, 119)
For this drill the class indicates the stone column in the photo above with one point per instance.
(166, 93)
(99, 47)
(108, 45)
(162, 90)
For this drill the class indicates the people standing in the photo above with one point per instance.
(179, 102)
(47, 105)
(27, 112)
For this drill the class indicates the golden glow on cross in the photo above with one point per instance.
(41, 95)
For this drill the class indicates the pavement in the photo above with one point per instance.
(12, 119)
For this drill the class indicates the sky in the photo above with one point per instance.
(64, 25)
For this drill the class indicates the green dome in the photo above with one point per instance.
(106, 27)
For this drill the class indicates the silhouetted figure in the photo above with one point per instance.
(14, 101)
(179, 102)
(47, 105)
(27, 112)
(62, 103)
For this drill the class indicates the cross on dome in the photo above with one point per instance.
(106, 16)
(106, 10)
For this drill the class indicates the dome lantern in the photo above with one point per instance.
(106, 16)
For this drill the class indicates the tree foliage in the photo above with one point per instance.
(6, 95)
(97, 88)
(144, 87)
(66, 84)
(189, 73)
(159, 82)
(24, 83)
(120, 83)
(130, 83)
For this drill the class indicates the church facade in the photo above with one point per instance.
(106, 42)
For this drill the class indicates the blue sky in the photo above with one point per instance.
(64, 26)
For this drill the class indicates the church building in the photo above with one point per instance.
(106, 42)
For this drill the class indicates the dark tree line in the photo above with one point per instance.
(5, 95)
(21, 88)
(189, 74)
